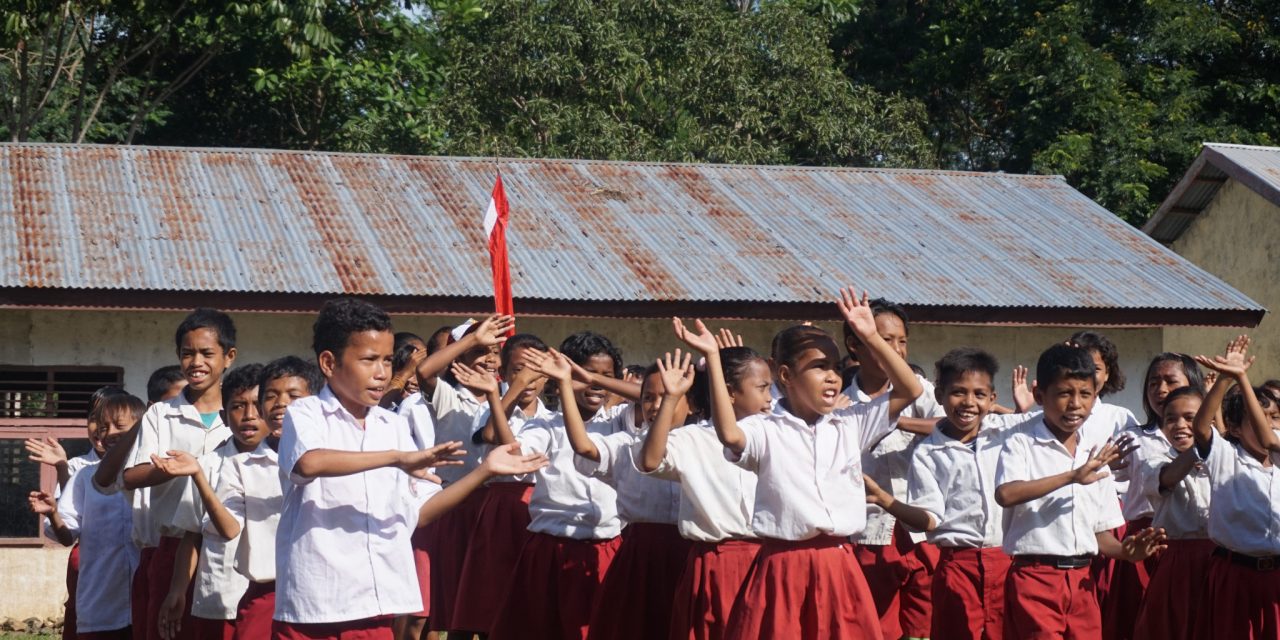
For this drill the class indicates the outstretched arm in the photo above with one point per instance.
(556, 366)
(505, 460)
(1018, 492)
(49, 452)
(1258, 437)
(722, 415)
(114, 460)
(913, 517)
(181, 463)
(906, 388)
(490, 332)
(325, 463)
(677, 379)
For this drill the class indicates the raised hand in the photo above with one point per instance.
(1143, 544)
(474, 378)
(1234, 363)
(179, 463)
(1023, 397)
(507, 460)
(1210, 378)
(42, 504)
(1089, 472)
(417, 463)
(857, 312)
(493, 329)
(676, 373)
(726, 338)
(46, 451)
(552, 364)
(700, 339)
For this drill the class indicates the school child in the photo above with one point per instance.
(410, 349)
(805, 581)
(1178, 488)
(190, 421)
(651, 556)
(102, 522)
(1244, 521)
(353, 487)
(210, 558)
(574, 520)
(898, 564)
(503, 522)
(717, 497)
(1060, 506)
(250, 493)
(165, 383)
(454, 408)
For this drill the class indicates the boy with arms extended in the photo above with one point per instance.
(354, 489)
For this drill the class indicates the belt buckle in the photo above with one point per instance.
(1267, 564)
(1063, 563)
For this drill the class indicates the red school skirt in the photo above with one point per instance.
(159, 573)
(968, 594)
(805, 589)
(1173, 606)
(637, 592)
(553, 588)
(368, 629)
(447, 547)
(1243, 602)
(900, 576)
(1129, 582)
(501, 529)
(1042, 601)
(421, 541)
(714, 573)
(253, 615)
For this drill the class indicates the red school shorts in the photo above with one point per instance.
(253, 615)
(900, 576)
(1042, 601)
(968, 594)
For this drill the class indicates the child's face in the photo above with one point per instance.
(811, 382)
(892, 331)
(1067, 403)
(1177, 421)
(589, 398)
(247, 425)
(112, 427)
(276, 396)
(967, 399)
(651, 401)
(1273, 415)
(93, 427)
(1164, 378)
(752, 395)
(359, 377)
(488, 357)
(203, 360)
(1101, 374)
(528, 395)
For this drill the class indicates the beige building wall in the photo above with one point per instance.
(33, 581)
(1237, 238)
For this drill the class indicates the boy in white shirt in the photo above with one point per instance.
(1060, 505)
(354, 488)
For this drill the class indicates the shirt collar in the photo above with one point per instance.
(330, 404)
(180, 406)
(263, 452)
(1042, 433)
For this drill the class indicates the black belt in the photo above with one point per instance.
(1057, 562)
(1263, 563)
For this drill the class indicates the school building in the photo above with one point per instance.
(1224, 215)
(104, 248)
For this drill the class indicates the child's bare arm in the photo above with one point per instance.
(505, 460)
(1173, 473)
(490, 332)
(497, 429)
(184, 567)
(905, 387)
(109, 469)
(325, 463)
(43, 504)
(556, 366)
(1134, 548)
(1233, 366)
(616, 386)
(1014, 493)
(913, 517)
(677, 379)
(723, 417)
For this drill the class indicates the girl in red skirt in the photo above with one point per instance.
(1244, 583)
(805, 582)
(717, 497)
(1178, 486)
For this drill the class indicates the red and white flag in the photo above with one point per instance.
(495, 229)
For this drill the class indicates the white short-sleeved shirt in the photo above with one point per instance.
(810, 476)
(102, 522)
(566, 503)
(218, 588)
(421, 417)
(1245, 517)
(171, 425)
(888, 462)
(641, 498)
(1133, 495)
(74, 466)
(717, 497)
(1064, 522)
(956, 483)
(250, 490)
(1183, 510)
(456, 411)
(349, 531)
(516, 423)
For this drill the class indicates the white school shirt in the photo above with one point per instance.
(1133, 495)
(342, 546)
(1245, 517)
(216, 595)
(1183, 510)
(456, 410)
(171, 425)
(566, 503)
(717, 497)
(102, 523)
(250, 490)
(1064, 522)
(956, 484)
(810, 476)
(421, 417)
(641, 498)
(516, 422)
(888, 462)
(74, 466)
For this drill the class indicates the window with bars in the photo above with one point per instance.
(52, 392)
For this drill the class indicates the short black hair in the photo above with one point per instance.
(1064, 362)
(1094, 341)
(402, 356)
(103, 392)
(447, 332)
(1182, 392)
(245, 376)
(879, 307)
(1234, 408)
(402, 338)
(789, 343)
(161, 380)
(206, 318)
(114, 404)
(342, 317)
(962, 360)
(292, 367)
(583, 345)
(636, 370)
(520, 341)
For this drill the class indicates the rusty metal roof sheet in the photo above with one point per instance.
(78, 217)
(1256, 167)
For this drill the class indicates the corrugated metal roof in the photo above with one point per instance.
(238, 220)
(1255, 167)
